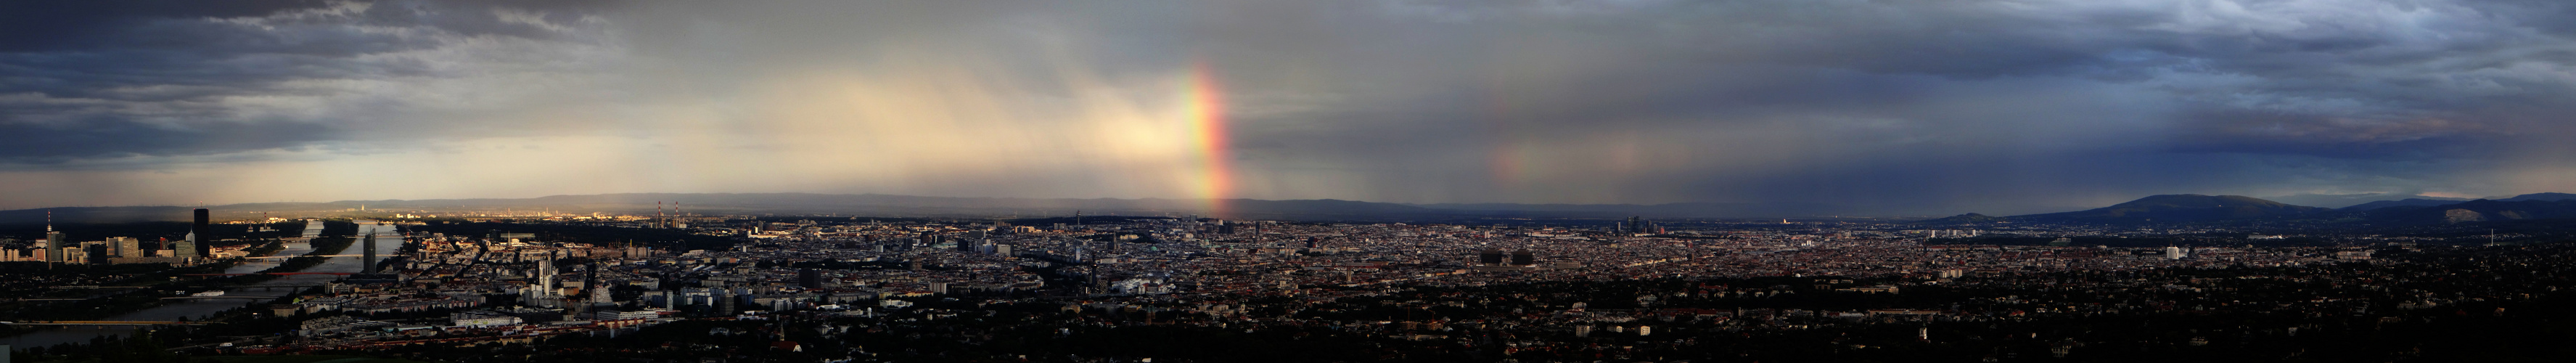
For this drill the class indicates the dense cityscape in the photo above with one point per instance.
(672, 287)
(1221, 181)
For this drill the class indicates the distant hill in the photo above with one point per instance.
(2347, 200)
(2481, 210)
(2538, 196)
(2426, 211)
(1964, 219)
(1668, 210)
(2179, 208)
(2408, 202)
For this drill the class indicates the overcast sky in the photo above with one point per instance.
(1920, 106)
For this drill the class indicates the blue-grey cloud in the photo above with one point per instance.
(117, 79)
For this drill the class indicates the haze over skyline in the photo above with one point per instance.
(1999, 107)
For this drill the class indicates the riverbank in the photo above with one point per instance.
(92, 304)
(245, 310)
(149, 290)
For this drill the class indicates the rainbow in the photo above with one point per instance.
(1206, 99)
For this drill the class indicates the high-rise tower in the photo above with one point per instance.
(597, 288)
(367, 262)
(198, 232)
(55, 242)
(546, 273)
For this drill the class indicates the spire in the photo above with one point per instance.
(49, 222)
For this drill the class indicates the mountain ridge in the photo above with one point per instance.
(2537, 196)
(2159, 208)
(2408, 202)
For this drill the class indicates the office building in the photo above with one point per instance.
(185, 248)
(367, 264)
(1637, 224)
(55, 243)
(95, 252)
(202, 233)
(126, 247)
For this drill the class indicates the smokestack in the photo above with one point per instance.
(203, 233)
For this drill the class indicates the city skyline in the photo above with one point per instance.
(1992, 107)
(1999, 181)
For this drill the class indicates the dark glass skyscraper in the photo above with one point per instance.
(204, 233)
(98, 253)
(367, 261)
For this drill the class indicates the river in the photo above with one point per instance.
(388, 241)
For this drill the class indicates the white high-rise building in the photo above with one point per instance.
(545, 279)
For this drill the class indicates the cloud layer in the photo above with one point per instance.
(1907, 107)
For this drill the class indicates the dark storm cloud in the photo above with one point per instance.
(112, 138)
(1443, 101)
(2241, 97)
(37, 26)
(109, 79)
